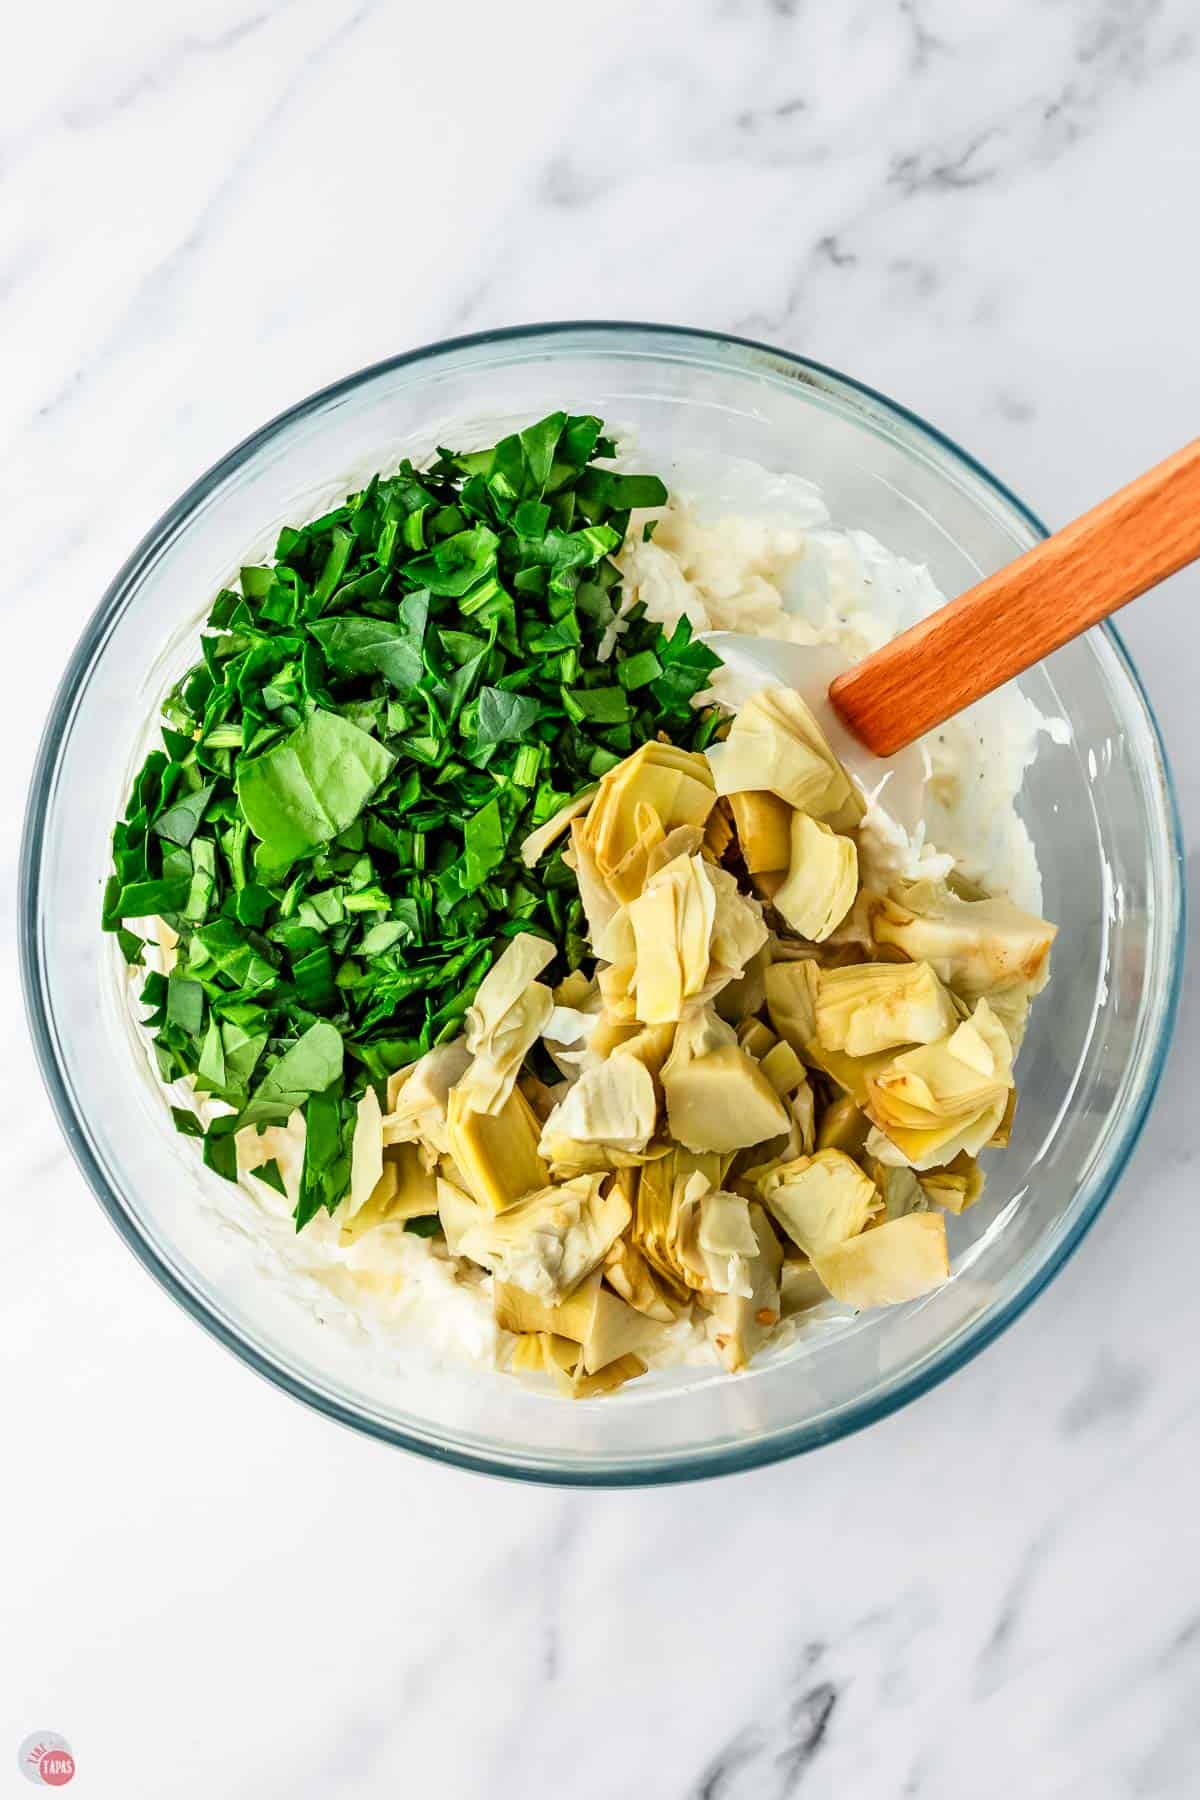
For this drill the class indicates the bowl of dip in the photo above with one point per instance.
(1056, 790)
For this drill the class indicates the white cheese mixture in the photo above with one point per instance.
(737, 550)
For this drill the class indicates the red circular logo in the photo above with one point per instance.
(56, 1767)
(45, 1759)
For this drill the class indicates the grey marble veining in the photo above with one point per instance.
(987, 211)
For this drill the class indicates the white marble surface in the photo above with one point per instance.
(988, 210)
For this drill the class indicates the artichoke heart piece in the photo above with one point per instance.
(684, 840)
(612, 1108)
(820, 1200)
(938, 1099)
(756, 1038)
(509, 1013)
(548, 1242)
(739, 931)
(601, 1324)
(868, 1007)
(713, 1238)
(763, 824)
(637, 805)
(902, 1192)
(821, 881)
(458, 1213)
(791, 1002)
(1003, 1132)
(366, 1153)
(630, 1275)
(657, 1212)
(742, 1323)
(800, 1287)
(783, 1069)
(898, 1261)
(955, 1187)
(843, 1126)
(718, 1097)
(672, 922)
(559, 1357)
(419, 1097)
(599, 904)
(607, 1380)
(974, 945)
(406, 1189)
(694, 931)
(534, 847)
(717, 835)
(516, 1309)
(496, 1153)
(776, 744)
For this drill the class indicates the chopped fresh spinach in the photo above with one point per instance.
(379, 717)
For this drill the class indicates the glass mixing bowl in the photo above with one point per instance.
(1100, 810)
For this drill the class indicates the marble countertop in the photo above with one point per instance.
(988, 211)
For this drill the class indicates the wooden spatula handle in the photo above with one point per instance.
(1074, 579)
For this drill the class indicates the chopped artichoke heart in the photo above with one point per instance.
(717, 836)
(612, 1104)
(658, 1212)
(1003, 1132)
(548, 1242)
(534, 847)
(693, 931)
(822, 879)
(672, 923)
(717, 1097)
(366, 1152)
(868, 1007)
(509, 1013)
(902, 1192)
(791, 1002)
(783, 1069)
(497, 1153)
(800, 1287)
(748, 758)
(409, 1184)
(763, 823)
(776, 744)
(803, 1106)
(898, 1261)
(651, 1046)
(739, 930)
(742, 1323)
(820, 1200)
(419, 1097)
(607, 1380)
(940, 1098)
(973, 945)
(617, 1330)
(756, 1038)
(955, 1187)
(516, 1309)
(527, 1355)
(598, 902)
(684, 840)
(638, 804)
(630, 1275)
(714, 1239)
(458, 1213)
(843, 1126)
(562, 1358)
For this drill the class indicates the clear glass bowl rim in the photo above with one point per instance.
(558, 335)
